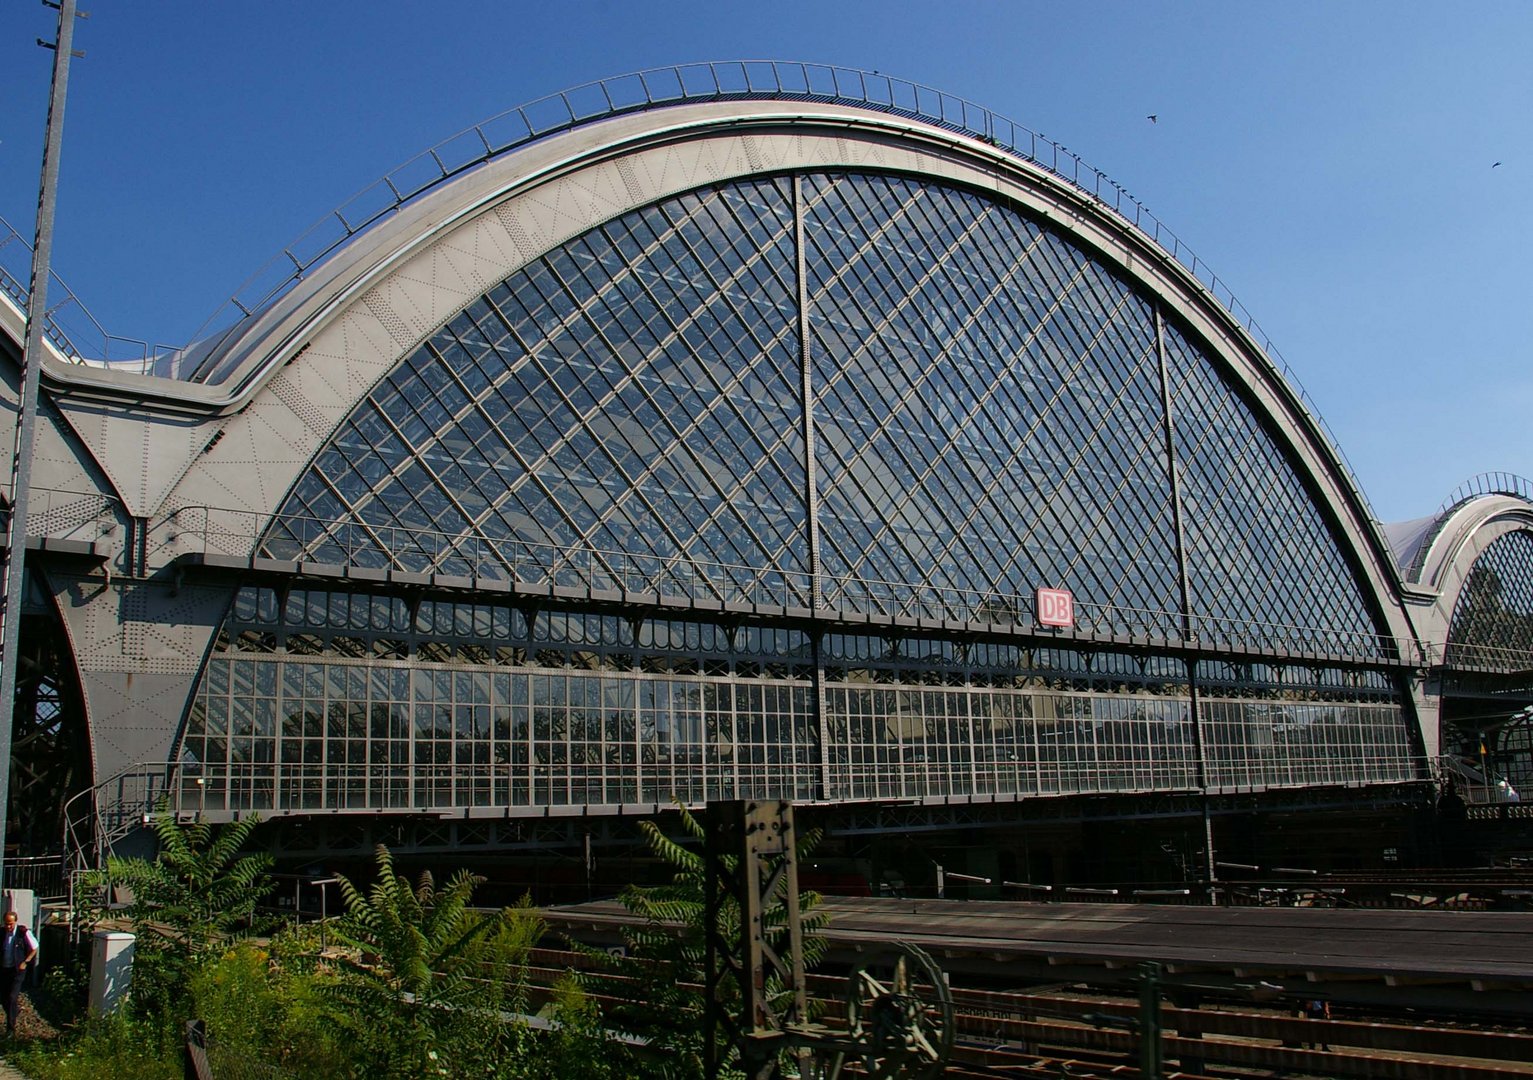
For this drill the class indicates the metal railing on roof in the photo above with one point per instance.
(727, 81)
(1486, 483)
(68, 323)
(1476, 656)
(703, 82)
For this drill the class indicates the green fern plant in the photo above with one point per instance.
(655, 990)
(428, 981)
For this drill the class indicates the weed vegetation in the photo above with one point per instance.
(412, 981)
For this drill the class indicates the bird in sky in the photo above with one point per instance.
(1154, 118)
(1497, 165)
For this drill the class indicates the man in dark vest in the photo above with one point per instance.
(18, 948)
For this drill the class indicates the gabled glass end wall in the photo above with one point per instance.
(848, 396)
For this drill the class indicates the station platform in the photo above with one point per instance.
(1448, 961)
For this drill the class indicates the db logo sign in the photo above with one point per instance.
(1056, 607)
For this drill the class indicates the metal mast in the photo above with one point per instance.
(13, 585)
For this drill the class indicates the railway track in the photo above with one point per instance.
(1068, 1032)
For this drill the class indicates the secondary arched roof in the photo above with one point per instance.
(1474, 558)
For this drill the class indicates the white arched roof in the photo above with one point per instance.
(296, 369)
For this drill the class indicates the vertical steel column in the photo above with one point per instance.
(750, 859)
(811, 483)
(1151, 1046)
(1174, 477)
(806, 379)
(14, 581)
(1188, 632)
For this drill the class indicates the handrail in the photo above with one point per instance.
(1474, 781)
(486, 558)
(56, 511)
(734, 80)
(1488, 483)
(289, 537)
(89, 850)
(731, 81)
(704, 82)
(1485, 483)
(219, 789)
(1470, 655)
(68, 322)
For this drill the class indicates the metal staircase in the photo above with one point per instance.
(98, 818)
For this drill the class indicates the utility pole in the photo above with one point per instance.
(13, 585)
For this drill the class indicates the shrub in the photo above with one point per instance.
(188, 903)
(656, 986)
(60, 997)
(428, 986)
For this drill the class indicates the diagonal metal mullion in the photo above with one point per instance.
(1145, 448)
(1154, 532)
(661, 346)
(875, 335)
(476, 521)
(583, 308)
(859, 258)
(1059, 395)
(548, 453)
(890, 259)
(726, 401)
(476, 404)
(1000, 377)
(1035, 239)
(452, 545)
(696, 421)
(1055, 307)
(354, 509)
(356, 520)
(722, 411)
(547, 457)
(1135, 559)
(374, 492)
(953, 464)
(1223, 407)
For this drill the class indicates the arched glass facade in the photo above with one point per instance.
(1493, 616)
(846, 395)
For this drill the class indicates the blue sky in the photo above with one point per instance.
(1331, 161)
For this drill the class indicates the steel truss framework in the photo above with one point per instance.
(784, 433)
(50, 751)
(815, 386)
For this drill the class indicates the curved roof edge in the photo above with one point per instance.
(1447, 544)
(256, 350)
(695, 83)
(648, 90)
(1474, 502)
(748, 128)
